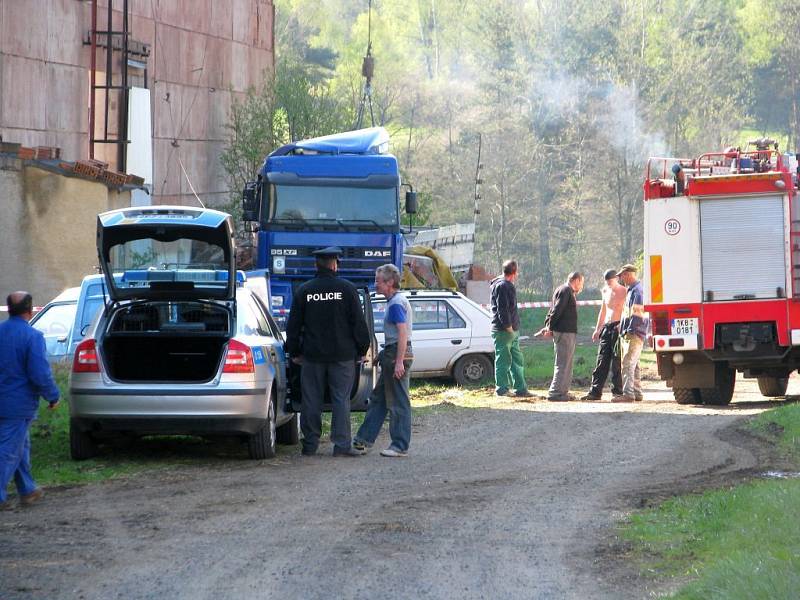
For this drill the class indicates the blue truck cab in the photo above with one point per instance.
(337, 190)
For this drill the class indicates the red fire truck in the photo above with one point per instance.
(722, 270)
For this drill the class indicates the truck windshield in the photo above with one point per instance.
(343, 206)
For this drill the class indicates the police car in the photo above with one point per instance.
(180, 348)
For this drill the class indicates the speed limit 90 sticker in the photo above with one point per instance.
(672, 227)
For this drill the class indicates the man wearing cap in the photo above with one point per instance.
(326, 333)
(562, 323)
(607, 331)
(632, 331)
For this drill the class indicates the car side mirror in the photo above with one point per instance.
(250, 201)
(411, 202)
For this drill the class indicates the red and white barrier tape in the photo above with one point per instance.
(35, 309)
(547, 304)
(285, 311)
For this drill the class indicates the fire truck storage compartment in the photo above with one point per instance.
(166, 341)
(743, 250)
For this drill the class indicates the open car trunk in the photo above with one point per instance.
(166, 342)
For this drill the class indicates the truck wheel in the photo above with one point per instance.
(722, 394)
(261, 444)
(686, 395)
(773, 386)
(289, 432)
(472, 369)
(81, 444)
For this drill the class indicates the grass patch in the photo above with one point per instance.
(738, 543)
(539, 363)
(782, 426)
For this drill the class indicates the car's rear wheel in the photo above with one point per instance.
(472, 369)
(773, 386)
(261, 444)
(81, 444)
(289, 432)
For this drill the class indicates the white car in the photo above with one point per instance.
(452, 335)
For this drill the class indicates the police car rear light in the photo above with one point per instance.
(238, 359)
(85, 360)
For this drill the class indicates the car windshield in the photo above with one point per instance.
(144, 261)
(346, 207)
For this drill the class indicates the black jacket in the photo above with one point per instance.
(326, 322)
(563, 313)
(504, 305)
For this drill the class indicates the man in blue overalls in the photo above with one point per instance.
(24, 376)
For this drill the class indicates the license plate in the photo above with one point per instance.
(685, 326)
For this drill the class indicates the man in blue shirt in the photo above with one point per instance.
(632, 333)
(24, 376)
(391, 394)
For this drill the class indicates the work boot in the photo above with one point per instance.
(589, 397)
(623, 398)
(31, 498)
(337, 451)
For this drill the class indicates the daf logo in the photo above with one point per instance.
(283, 251)
(378, 253)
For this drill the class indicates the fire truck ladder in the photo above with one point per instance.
(110, 40)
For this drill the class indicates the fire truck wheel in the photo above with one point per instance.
(722, 394)
(773, 386)
(686, 395)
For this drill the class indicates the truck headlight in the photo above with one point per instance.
(278, 264)
(277, 301)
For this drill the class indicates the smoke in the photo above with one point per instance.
(625, 129)
(615, 110)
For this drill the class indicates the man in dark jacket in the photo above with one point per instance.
(509, 366)
(327, 333)
(24, 376)
(562, 322)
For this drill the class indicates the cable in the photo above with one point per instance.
(189, 181)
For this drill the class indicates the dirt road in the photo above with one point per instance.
(505, 500)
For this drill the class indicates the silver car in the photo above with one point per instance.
(181, 348)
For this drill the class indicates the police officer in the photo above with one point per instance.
(327, 333)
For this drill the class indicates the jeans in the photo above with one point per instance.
(607, 359)
(315, 379)
(509, 364)
(390, 396)
(632, 347)
(564, 348)
(15, 456)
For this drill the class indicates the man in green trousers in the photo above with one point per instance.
(509, 367)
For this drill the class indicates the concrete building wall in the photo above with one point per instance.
(204, 54)
(48, 229)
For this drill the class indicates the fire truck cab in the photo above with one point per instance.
(722, 270)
